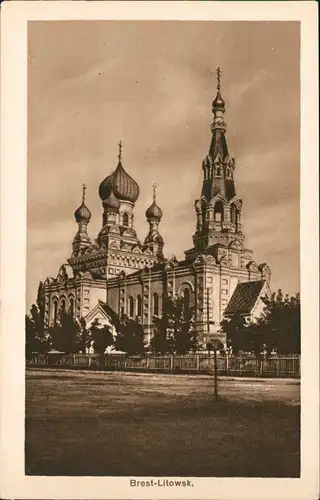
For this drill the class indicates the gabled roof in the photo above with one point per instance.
(110, 313)
(244, 297)
(105, 311)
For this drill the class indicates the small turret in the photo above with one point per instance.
(82, 216)
(154, 240)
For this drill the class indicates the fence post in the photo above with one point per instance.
(147, 363)
(171, 363)
(197, 363)
(74, 360)
(227, 363)
(262, 366)
(215, 373)
(89, 361)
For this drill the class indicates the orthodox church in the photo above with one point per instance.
(118, 274)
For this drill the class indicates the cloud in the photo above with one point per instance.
(151, 85)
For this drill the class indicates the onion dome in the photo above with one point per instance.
(121, 183)
(83, 214)
(154, 212)
(111, 203)
(218, 103)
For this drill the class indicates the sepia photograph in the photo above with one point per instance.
(163, 339)
(165, 159)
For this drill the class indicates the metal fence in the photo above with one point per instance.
(245, 365)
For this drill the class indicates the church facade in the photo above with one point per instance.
(217, 277)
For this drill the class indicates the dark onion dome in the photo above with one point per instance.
(111, 203)
(122, 185)
(154, 212)
(218, 103)
(82, 214)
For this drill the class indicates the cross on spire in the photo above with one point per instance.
(120, 151)
(154, 188)
(84, 188)
(218, 77)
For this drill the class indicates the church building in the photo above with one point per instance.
(118, 273)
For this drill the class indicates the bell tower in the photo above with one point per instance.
(218, 209)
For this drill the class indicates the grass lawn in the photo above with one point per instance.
(105, 424)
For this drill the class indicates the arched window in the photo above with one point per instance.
(131, 307)
(155, 304)
(218, 172)
(71, 307)
(186, 299)
(218, 212)
(62, 305)
(227, 172)
(139, 304)
(125, 219)
(203, 215)
(233, 214)
(55, 311)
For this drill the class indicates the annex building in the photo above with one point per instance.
(119, 273)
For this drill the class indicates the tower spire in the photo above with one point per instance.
(218, 209)
(218, 105)
(218, 108)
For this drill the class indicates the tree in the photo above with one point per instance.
(130, 337)
(65, 333)
(31, 345)
(102, 337)
(235, 330)
(161, 341)
(278, 328)
(84, 338)
(281, 323)
(41, 309)
(174, 331)
(36, 340)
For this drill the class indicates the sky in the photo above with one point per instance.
(151, 85)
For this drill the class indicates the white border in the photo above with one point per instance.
(14, 17)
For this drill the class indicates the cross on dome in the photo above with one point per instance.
(84, 188)
(120, 151)
(83, 214)
(154, 188)
(218, 77)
